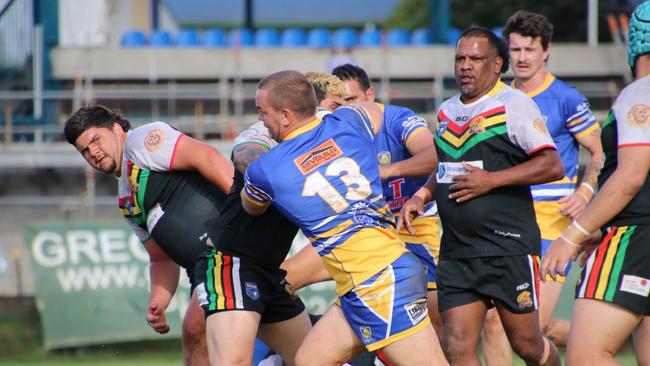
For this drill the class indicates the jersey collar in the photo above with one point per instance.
(547, 82)
(305, 128)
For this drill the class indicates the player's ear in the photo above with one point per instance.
(370, 94)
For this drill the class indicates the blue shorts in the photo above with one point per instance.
(390, 305)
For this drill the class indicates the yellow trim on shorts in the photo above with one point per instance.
(396, 337)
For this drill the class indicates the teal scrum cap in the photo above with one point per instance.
(638, 36)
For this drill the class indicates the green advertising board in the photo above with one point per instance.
(92, 285)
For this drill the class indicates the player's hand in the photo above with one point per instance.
(558, 254)
(588, 246)
(156, 318)
(573, 205)
(471, 185)
(413, 208)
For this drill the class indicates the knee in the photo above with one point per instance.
(302, 358)
(456, 344)
(530, 349)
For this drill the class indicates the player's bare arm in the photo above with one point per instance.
(542, 167)
(164, 274)
(621, 187)
(576, 203)
(422, 162)
(192, 154)
(245, 154)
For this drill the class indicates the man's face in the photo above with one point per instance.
(102, 148)
(331, 102)
(476, 67)
(271, 117)
(527, 55)
(356, 94)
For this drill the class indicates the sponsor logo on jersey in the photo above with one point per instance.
(366, 333)
(442, 127)
(252, 291)
(635, 285)
(639, 116)
(523, 286)
(154, 140)
(383, 158)
(525, 299)
(441, 171)
(416, 311)
(476, 126)
(318, 156)
(540, 125)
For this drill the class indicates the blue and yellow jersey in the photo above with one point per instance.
(568, 117)
(400, 125)
(324, 178)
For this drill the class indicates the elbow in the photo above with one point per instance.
(634, 183)
(556, 171)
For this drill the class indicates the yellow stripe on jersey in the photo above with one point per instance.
(589, 130)
(550, 222)
(496, 88)
(547, 82)
(362, 256)
(380, 294)
(305, 128)
(253, 201)
(333, 231)
(415, 132)
(606, 268)
(458, 142)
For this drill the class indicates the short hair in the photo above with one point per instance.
(497, 44)
(352, 72)
(92, 116)
(529, 24)
(290, 89)
(325, 84)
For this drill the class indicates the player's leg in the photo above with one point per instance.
(285, 337)
(231, 337)
(332, 330)
(557, 330)
(462, 329)
(304, 268)
(641, 339)
(526, 337)
(494, 341)
(195, 349)
(598, 330)
(434, 313)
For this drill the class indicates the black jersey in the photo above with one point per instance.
(266, 238)
(496, 132)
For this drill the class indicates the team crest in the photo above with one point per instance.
(476, 126)
(252, 291)
(540, 125)
(639, 116)
(525, 299)
(383, 158)
(366, 333)
(154, 139)
(442, 127)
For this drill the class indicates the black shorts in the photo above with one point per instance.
(226, 283)
(619, 270)
(512, 280)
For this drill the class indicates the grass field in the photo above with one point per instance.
(20, 345)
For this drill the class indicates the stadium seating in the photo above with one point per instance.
(319, 38)
(421, 37)
(161, 38)
(370, 38)
(214, 37)
(133, 39)
(187, 38)
(345, 38)
(242, 37)
(397, 37)
(267, 37)
(293, 37)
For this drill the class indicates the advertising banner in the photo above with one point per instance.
(92, 284)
